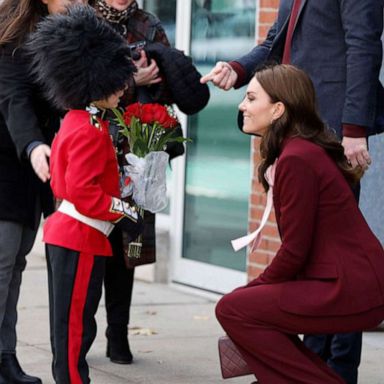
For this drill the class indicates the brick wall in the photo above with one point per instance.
(258, 260)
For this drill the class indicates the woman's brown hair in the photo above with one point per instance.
(18, 18)
(294, 88)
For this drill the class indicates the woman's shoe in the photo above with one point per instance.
(118, 349)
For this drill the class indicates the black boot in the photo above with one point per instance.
(11, 371)
(117, 344)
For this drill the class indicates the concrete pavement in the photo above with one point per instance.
(173, 336)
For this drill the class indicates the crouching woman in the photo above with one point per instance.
(327, 275)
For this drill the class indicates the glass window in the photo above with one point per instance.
(221, 29)
(166, 12)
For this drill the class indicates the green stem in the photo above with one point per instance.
(151, 137)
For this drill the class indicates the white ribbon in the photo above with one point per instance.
(255, 236)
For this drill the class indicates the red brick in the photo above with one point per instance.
(272, 217)
(256, 212)
(253, 225)
(257, 198)
(270, 230)
(257, 187)
(259, 257)
(263, 31)
(253, 272)
(269, 4)
(269, 244)
(267, 17)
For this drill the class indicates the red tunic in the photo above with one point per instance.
(84, 171)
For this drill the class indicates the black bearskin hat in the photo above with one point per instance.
(78, 58)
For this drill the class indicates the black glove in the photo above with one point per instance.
(132, 223)
(133, 229)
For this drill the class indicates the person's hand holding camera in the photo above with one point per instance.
(146, 74)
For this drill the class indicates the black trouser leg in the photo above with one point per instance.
(118, 284)
(346, 355)
(51, 306)
(342, 352)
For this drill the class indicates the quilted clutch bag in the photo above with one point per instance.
(231, 362)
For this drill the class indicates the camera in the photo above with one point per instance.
(136, 48)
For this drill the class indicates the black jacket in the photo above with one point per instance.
(24, 117)
(182, 78)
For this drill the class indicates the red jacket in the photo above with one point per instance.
(330, 261)
(84, 171)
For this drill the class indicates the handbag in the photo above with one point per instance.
(231, 361)
(143, 250)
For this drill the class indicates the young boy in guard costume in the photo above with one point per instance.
(84, 66)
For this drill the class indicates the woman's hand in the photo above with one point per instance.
(146, 74)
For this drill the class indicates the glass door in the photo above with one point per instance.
(217, 164)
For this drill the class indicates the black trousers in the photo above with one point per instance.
(341, 351)
(75, 284)
(118, 284)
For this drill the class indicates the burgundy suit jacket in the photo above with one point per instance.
(329, 260)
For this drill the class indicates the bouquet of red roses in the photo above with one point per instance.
(148, 128)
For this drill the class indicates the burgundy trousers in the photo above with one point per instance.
(267, 337)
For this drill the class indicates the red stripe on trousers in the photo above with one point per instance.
(75, 326)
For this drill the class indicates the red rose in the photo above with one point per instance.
(170, 122)
(158, 113)
(133, 110)
(147, 114)
(147, 132)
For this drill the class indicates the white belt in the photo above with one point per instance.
(69, 209)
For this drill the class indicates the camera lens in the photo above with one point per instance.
(135, 55)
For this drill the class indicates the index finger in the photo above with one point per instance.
(214, 71)
(208, 77)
